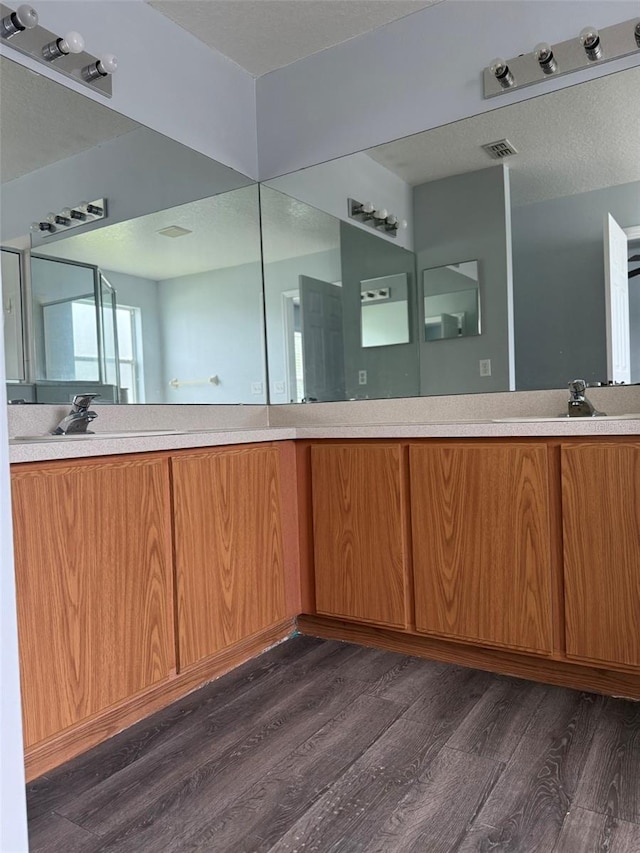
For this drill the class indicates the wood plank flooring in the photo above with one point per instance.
(318, 746)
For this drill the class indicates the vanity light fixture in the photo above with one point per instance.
(64, 53)
(590, 41)
(502, 73)
(70, 217)
(71, 43)
(575, 54)
(376, 217)
(546, 59)
(24, 18)
(105, 66)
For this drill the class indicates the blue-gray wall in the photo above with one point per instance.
(467, 218)
(558, 268)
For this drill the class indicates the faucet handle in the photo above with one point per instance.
(83, 401)
(578, 387)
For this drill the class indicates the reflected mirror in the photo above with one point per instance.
(533, 222)
(384, 311)
(451, 301)
(160, 301)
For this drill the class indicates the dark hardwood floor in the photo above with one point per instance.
(320, 747)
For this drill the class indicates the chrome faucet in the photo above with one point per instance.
(578, 405)
(79, 418)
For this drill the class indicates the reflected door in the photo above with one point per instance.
(322, 340)
(617, 302)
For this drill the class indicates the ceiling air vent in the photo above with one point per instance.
(500, 149)
(174, 231)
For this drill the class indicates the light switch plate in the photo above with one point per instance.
(278, 387)
(256, 388)
(362, 377)
(485, 367)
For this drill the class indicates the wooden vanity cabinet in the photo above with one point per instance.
(228, 547)
(359, 518)
(93, 557)
(601, 541)
(481, 543)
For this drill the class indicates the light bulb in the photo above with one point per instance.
(545, 58)
(402, 224)
(367, 207)
(71, 43)
(381, 214)
(392, 220)
(24, 18)
(590, 40)
(35, 226)
(50, 217)
(501, 72)
(107, 64)
(66, 212)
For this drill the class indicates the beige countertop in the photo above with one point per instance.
(137, 442)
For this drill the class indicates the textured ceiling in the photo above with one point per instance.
(43, 122)
(262, 35)
(578, 139)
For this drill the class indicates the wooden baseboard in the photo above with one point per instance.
(50, 753)
(535, 668)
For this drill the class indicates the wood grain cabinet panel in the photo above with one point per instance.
(93, 577)
(358, 512)
(228, 547)
(481, 543)
(601, 535)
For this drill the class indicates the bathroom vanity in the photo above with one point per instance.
(512, 547)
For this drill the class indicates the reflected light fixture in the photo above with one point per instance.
(24, 18)
(70, 217)
(545, 58)
(546, 61)
(502, 73)
(590, 41)
(376, 217)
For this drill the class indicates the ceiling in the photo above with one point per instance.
(262, 35)
(577, 139)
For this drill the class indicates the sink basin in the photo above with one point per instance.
(564, 418)
(134, 433)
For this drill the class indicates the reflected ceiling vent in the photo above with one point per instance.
(500, 149)
(174, 231)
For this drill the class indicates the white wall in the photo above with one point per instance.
(167, 79)
(328, 186)
(13, 817)
(419, 72)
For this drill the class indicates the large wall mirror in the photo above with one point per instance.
(161, 300)
(538, 226)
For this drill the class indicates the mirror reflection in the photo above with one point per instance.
(451, 301)
(534, 223)
(384, 311)
(160, 301)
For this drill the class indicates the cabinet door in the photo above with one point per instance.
(228, 545)
(360, 570)
(601, 526)
(481, 543)
(93, 574)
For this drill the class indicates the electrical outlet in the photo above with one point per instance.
(362, 377)
(278, 387)
(485, 367)
(256, 388)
